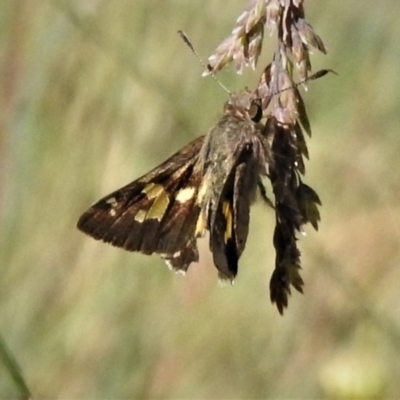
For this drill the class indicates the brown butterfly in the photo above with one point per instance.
(208, 185)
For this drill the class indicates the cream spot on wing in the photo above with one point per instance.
(153, 190)
(161, 201)
(226, 210)
(158, 207)
(185, 195)
(200, 226)
(112, 201)
(202, 192)
(140, 216)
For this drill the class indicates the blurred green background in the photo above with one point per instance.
(95, 93)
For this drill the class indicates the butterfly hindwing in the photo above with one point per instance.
(222, 241)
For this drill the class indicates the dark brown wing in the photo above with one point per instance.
(157, 213)
(222, 235)
(229, 229)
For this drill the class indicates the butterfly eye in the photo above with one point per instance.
(255, 111)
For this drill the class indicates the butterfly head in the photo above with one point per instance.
(244, 105)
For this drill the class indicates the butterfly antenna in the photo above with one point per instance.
(313, 77)
(187, 41)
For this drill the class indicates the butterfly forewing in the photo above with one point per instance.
(157, 213)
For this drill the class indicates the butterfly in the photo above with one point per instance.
(208, 185)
